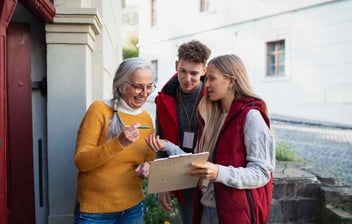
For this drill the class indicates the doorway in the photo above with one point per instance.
(26, 149)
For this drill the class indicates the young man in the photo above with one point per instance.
(176, 113)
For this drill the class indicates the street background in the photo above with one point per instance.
(326, 147)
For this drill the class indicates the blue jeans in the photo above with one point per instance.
(209, 216)
(134, 215)
(186, 208)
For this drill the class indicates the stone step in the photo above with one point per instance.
(296, 188)
(294, 222)
(291, 181)
(338, 197)
(298, 210)
(336, 216)
(300, 197)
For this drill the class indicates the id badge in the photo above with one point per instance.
(188, 138)
(204, 185)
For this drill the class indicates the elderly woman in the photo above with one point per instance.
(111, 152)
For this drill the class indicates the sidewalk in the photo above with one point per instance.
(328, 148)
(294, 120)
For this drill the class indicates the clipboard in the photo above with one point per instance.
(169, 174)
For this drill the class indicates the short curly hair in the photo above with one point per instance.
(194, 51)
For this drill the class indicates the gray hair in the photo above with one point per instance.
(123, 74)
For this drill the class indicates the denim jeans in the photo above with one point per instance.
(134, 215)
(209, 216)
(186, 207)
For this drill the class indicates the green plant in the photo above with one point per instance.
(285, 152)
(130, 48)
(154, 213)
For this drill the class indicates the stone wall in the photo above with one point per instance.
(301, 195)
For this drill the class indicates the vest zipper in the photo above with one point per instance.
(251, 207)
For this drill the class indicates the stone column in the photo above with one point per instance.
(70, 47)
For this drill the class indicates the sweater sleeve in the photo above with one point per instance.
(89, 153)
(171, 149)
(260, 148)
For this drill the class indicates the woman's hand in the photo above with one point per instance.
(155, 143)
(142, 169)
(207, 170)
(129, 134)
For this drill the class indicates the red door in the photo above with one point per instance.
(20, 178)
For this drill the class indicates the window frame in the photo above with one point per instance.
(203, 5)
(155, 64)
(153, 13)
(279, 58)
(206, 6)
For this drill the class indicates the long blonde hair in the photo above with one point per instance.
(211, 112)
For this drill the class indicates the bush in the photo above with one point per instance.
(285, 152)
(154, 212)
(129, 52)
(130, 48)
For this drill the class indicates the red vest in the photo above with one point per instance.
(237, 205)
(167, 116)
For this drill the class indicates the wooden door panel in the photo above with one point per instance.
(20, 197)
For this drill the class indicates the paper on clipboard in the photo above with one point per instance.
(169, 174)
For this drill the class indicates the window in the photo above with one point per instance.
(130, 19)
(276, 58)
(206, 5)
(155, 70)
(153, 20)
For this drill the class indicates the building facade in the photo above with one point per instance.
(56, 57)
(298, 53)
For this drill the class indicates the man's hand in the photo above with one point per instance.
(165, 200)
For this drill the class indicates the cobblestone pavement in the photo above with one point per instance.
(326, 148)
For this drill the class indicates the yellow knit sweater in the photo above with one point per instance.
(107, 181)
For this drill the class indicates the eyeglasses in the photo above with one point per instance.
(140, 89)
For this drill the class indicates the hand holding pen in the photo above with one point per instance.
(130, 134)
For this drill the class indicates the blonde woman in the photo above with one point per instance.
(111, 153)
(236, 184)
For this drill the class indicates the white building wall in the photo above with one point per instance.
(109, 50)
(317, 34)
(318, 43)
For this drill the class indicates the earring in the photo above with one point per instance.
(230, 89)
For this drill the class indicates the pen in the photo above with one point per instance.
(144, 127)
